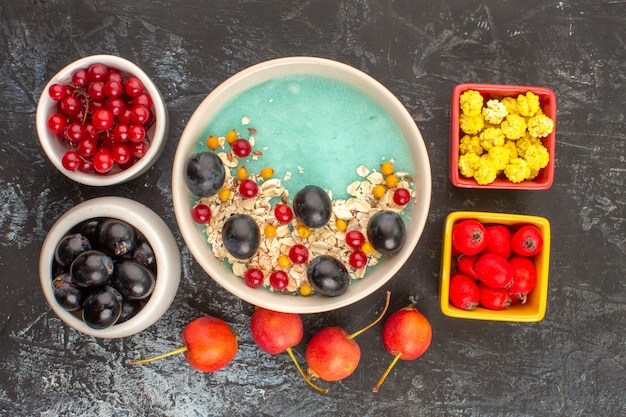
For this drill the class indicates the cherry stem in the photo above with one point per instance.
(308, 381)
(382, 378)
(355, 334)
(165, 355)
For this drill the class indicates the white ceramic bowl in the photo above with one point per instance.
(55, 148)
(158, 235)
(183, 200)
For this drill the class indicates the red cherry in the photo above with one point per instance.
(201, 214)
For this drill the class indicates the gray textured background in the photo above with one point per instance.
(570, 364)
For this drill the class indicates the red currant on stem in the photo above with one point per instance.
(70, 105)
(121, 133)
(79, 78)
(74, 132)
(298, 254)
(279, 280)
(136, 133)
(139, 114)
(116, 105)
(96, 90)
(57, 92)
(87, 147)
(103, 160)
(103, 119)
(121, 153)
(97, 72)
(201, 214)
(113, 89)
(138, 149)
(71, 160)
(114, 75)
(248, 188)
(133, 86)
(143, 99)
(57, 123)
(253, 278)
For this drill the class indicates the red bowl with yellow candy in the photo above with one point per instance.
(532, 112)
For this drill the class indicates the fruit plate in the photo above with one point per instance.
(547, 101)
(312, 122)
(534, 308)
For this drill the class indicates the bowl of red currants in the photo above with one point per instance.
(494, 266)
(109, 267)
(102, 121)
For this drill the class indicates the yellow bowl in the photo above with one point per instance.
(534, 308)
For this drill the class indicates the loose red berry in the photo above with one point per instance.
(201, 214)
(121, 133)
(138, 149)
(467, 265)
(279, 280)
(253, 278)
(241, 147)
(524, 277)
(355, 239)
(357, 259)
(70, 105)
(248, 188)
(116, 105)
(498, 240)
(493, 270)
(493, 298)
(401, 196)
(298, 254)
(283, 213)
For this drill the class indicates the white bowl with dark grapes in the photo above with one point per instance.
(102, 121)
(109, 267)
(301, 185)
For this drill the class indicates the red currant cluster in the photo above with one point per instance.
(103, 118)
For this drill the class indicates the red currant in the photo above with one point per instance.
(86, 166)
(103, 160)
(91, 132)
(121, 133)
(115, 75)
(71, 160)
(136, 133)
(57, 123)
(79, 78)
(87, 148)
(121, 154)
(96, 90)
(279, 280)
(57, 92)
(201, 214)
(401, 196)
(283, 213)
(113, 89)
(75, 132)
(355, 239)
(253, 278)
(124, 116)
(70, 105)
(133, 86)
(116, 105)
(138, 149)
(241, 147)
(298, 254)
(97, 72)
(102, 119)
(248, 189)
(139, 114)
(358, 259)
(143, 99)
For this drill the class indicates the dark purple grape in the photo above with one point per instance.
(241, 236)
(386, 232)
(130, 308)
(69, 295)
(91, 268)
(312, 206)
(144, 254)
(89, 229)
(328, 276)
(69, 247)
(204, 173)
(116, 237)
(102, 307)
(135, 281)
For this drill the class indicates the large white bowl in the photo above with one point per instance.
(255, 75)
(55, 148)
(158, 236)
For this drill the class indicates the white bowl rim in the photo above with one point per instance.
(158, 139)
(252, 76)
(154, 230)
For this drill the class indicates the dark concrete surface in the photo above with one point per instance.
(572, 363)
